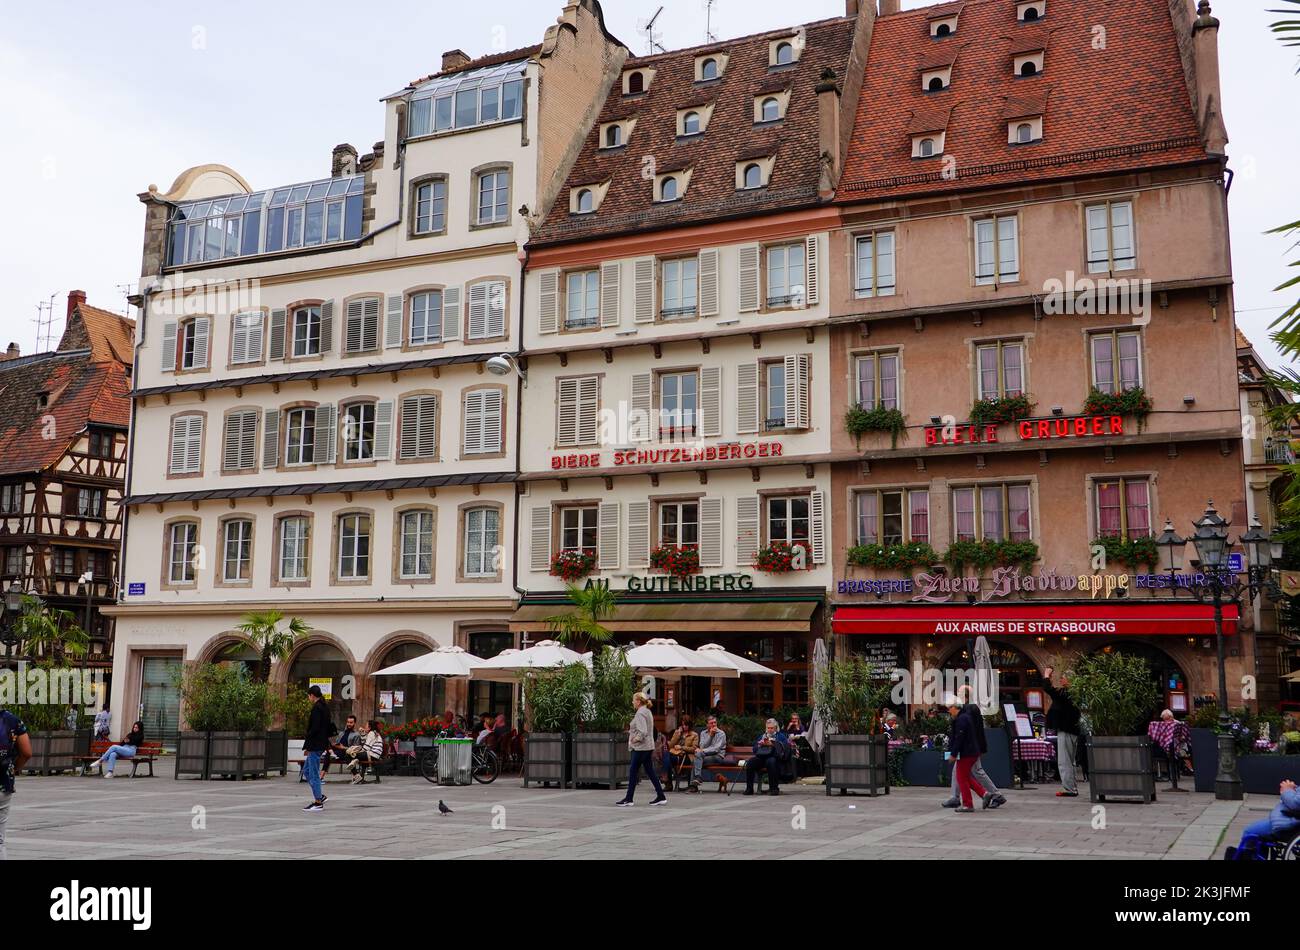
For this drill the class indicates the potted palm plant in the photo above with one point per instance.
(553, 703)
(228, 712)
(55, 643)
(273, 637)
(1116, 693)
(600, 752)
(849, 697)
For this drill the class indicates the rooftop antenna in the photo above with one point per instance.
(45, 325)
(647, 29)
(709, 35)
(127, 289)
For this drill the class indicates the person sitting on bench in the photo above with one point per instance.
(370, 748)
(126, 749)
(347, 738)
(712, 750)
(770, 751)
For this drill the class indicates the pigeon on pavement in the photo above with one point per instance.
(443, 809)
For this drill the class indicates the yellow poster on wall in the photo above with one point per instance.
(325, 683)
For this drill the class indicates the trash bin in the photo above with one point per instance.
(455, 761)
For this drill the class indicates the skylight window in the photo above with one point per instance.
(464, 100)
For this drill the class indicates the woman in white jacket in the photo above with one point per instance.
(641, 741)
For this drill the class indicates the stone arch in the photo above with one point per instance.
(367, 686)
(208, 652)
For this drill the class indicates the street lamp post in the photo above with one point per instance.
(1220, 587)
(13, 604)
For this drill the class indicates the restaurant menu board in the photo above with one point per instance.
(1024, 728)
(884, 656)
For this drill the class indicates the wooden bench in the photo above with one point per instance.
(730, 771)
(144, 755)
(365, 763)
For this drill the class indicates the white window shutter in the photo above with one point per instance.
(492, 421)
(353, 333)
(539, 541)
(473, 422)
(611, 289)
(275, 349)
(812, 271)
(746, 398)
(496, 309)
(549, 311)
(370, 324)
(271, 439)
(248, 440)
(710, 532)
(202, 328)
(641, 422)
(708, 287)
(746, 531)
(566, 421)
(384, 430)
(256, 331)
(428, 436)
(326, 326)
(326, 435)
(817, 526)
(194, 445)
(450, 314)
(607, 539)
(180, 432)
(393, 322)
(644, 285)
(711, 401)
(238, 339)
(747, 296)
(169, 347)
(231, 442)
(638, 534)
(796, 391)
(588, 410)
(478, 311)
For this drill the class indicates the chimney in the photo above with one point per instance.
(850, 8)
(343, 161)
(828, 132)
(454, 59)
(75, 299)
(1209, 102)
(888, 6)
(10, 354)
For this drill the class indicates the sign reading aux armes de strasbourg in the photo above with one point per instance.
(1057, 427)
(671, 455)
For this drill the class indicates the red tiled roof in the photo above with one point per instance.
(1121, 107)
(712, 156)
(109, 336)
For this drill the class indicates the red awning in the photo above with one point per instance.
(1036, 620)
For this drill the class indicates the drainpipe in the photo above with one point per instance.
(519, 415)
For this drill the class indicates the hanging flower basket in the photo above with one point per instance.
(676, 561)
(572, 565)
(779, 557)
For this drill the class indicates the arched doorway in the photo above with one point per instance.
(324, 665)
(238, 653)
(1016, 672)
(407, 697)
(1167, 675)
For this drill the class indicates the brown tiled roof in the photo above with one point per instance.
(629, 204)
(1243, 343)
(107, 335)
(928, 118)
(483, 62)
(1114, 109)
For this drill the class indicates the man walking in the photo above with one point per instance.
(316, 742)
(15, 750)
(1063, 717)
(977, 770)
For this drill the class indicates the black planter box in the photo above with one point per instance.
(1120, 767)
(1205, 759)
(1262, 774)
(237, 755)
(926, 768)
(277, 751)
(57, 750)
(548, 759)
(601, 758)
(192, 754)
(858, 763)
(997, 760)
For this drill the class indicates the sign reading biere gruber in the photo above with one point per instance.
(1057, 427)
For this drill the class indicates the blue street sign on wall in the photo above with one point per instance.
(135, 589)
(1236, 563)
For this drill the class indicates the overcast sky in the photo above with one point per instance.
(98, 100)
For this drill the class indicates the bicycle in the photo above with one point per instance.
(484, 767)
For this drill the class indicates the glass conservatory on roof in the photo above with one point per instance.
(463, 100)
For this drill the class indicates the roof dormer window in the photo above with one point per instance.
(691, 123)
(613, 135)
(711, 67)
(1028, 64)
(928, 145)
(616, 134)
(693, 120)
(782, 53)
(637, 81)
(671, 186)
(586, 199)
(771, 107)
(942, 27)
(668, 188)
(936, 80)
(754, 173)
(1031, 11)
(1025, 131)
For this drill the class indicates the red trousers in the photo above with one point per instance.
(964, 781)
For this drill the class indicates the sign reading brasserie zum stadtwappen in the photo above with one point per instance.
(693, 584)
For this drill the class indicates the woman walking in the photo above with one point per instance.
(964, 747)
(641, 740)
(126, 749)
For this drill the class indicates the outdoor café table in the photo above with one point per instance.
(1168, 735)
(1033, 752)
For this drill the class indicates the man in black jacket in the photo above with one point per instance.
(316, 742)
(997, 799)
(1063, 717)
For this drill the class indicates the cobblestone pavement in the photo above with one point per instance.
(64, 817)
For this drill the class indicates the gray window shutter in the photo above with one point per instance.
(271, 439)
(419, 431)
(748, 270)
(384, 430)
(169, 347)
(327, 326)
(393, 322)
(275, 347)
(746, 531)
(708, 288)
(641, 422)
(326, 436)
(611, 288)
(540, 538)
(711, 401)
(607, 539)
(638, 534)
(451, 314)
(549, 310)
(644, 286)
(747, 398)
(710, 532)
(817, 526)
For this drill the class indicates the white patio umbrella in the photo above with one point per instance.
(506, 666)
(444, 661)
(817, 728)
(744, 664)
(669, 659)
(985, 695)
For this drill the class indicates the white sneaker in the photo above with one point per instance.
(108, 775)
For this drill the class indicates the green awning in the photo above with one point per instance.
(666, 618)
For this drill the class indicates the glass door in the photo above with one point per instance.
(160, 700)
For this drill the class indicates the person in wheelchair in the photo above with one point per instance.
(1281, 825)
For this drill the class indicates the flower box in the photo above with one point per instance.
(780, 557)
(676, 561)
(572, 565)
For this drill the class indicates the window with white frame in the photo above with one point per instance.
(466, 99)
(182, 546)
(354, 547)
(679, 402)
(417, 545)
(483, 422)
(877, 376)
(300, 437)
(493, 197)
(997, 250)
(1123, 507)
(774, 404)
(1110, 237)
(786, 277)
(769, 110)
(1000, 367)
(431, 206)
(236, 550)
(991, 513)
(359, 432)
(680, 287)
(482, 539)
(85, 502)
(582, 300)
(305, 332)
(246, 338)
(187, 445)
(875, 264)
(787, 519)
(426, 318)
(679, 523)
(11, 498)
(192, 343)
(893, 517)
(295, 548)
(1116, 360)
(578, 529)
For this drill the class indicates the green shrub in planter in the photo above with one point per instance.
(554, 699)
(858, 421)
(892, 557)
(1116, 693)
(224, 698)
